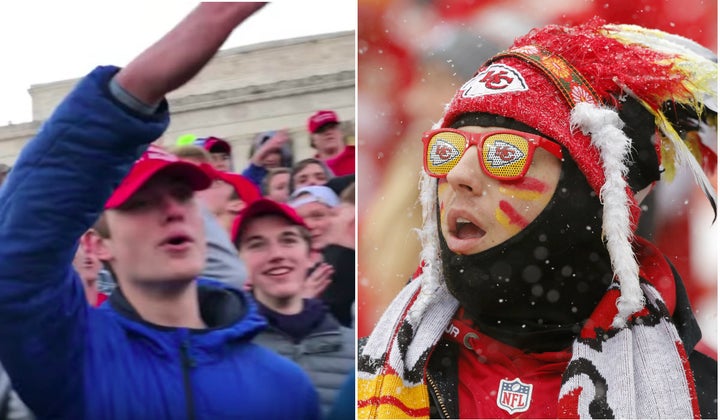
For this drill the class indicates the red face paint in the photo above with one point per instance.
(527, 188)
(514, 218)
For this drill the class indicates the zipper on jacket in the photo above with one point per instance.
(437, 396)
(187, 364)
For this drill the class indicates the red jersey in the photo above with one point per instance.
(496, 380)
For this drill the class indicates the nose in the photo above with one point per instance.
(173, 208)
(275, 251)
(467, 175)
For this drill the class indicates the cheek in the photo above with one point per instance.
(509, 217)
(325, 224)
(526, 199)
(443, 192)
(252, 262)
(527, 189)
(198, 224)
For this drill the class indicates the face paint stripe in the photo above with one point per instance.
(514, 217)
(529, 184)
(527, 189)
(504, 220)
(522, 195)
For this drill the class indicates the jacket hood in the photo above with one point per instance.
(229, 313)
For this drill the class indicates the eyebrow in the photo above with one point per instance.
(286, 233)
(290, 233)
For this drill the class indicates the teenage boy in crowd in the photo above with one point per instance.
(167, 346)
(318, 206)
(307, 172)
(535, 297)
(88, 265)
(269, 150)
(326, 137)
(276, 184)
(274, 242)
(220, 152)
(221, 262)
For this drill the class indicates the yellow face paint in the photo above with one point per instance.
(520, 194)
(442, 191)
(527, 189)
(509, 218)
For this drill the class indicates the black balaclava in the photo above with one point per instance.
(535, 290)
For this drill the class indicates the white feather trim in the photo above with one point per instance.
(430, 254)
(605, 129)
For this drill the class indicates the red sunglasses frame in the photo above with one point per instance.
(478, 140)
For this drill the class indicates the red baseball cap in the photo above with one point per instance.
(152, 162)
(245, 189)
(215, 145)
(321, 118)
(264, 207)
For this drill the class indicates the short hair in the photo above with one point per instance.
(101, 226)
(192, 152)
(348, 194)
(303, 164)
(265, 184)
(337, 124)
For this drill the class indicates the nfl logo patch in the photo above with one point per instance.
(514, 396)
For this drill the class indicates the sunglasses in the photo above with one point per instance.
(503, 154)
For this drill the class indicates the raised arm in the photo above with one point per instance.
(57, 189)
(181, 53)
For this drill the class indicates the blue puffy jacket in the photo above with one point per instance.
(68, 360)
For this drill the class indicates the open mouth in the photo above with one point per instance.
(176, 242)
(463, 234)
(465, 229)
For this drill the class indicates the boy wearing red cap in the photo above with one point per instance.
(535, 297)
(242, 192)
(167, 345)
(274, 242)
(220, 152)
(326, 137)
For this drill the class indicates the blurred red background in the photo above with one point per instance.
(413, 55)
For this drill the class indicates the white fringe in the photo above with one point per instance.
(605, 129)
(432, 281)
(430, 254)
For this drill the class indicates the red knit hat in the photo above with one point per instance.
(569, 83)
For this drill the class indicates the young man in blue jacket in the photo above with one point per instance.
(166, 346)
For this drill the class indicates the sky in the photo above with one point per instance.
(44, 41)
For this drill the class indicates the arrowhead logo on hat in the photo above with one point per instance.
(497, 78)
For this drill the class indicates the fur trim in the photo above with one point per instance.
(605, 129)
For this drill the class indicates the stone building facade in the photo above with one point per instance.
(243, 91)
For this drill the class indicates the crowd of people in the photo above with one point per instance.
(163, 282)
